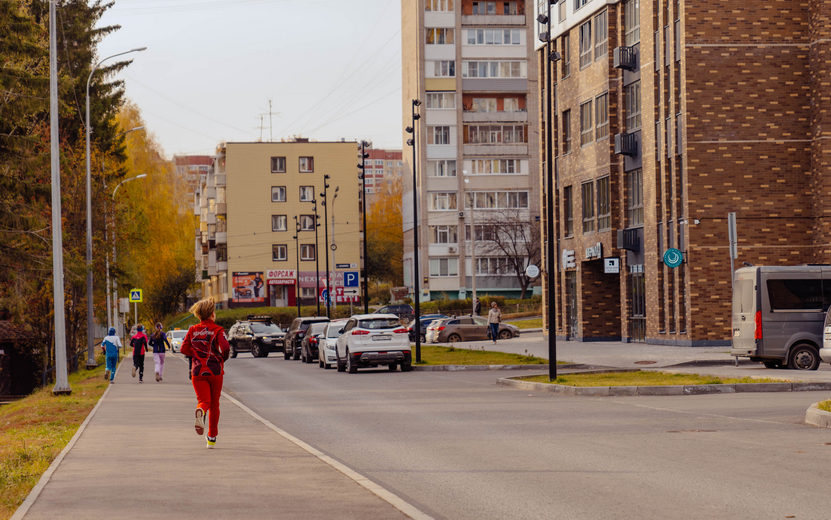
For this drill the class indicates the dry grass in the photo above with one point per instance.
(534, 323)
(34, 430)
(462, 356)
(644, 379)
(825, 405)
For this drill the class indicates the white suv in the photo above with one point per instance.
(369, 340)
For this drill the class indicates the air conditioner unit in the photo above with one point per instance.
(451, 250)
(626, 144)
(625, 58)
(628, 239)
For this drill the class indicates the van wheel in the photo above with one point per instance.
(804, 357)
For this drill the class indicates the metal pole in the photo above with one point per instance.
(326, 244)
(61, 378)
(364, 281)
(551, 165)
(297, 256)
(334, 245)
(317, 260)
(473, 253)
(117, 323)
(416, 286)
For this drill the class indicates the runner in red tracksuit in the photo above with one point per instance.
(206, 345)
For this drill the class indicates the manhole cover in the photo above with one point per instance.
(647, 362)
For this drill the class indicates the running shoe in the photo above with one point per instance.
(200, 421)
(211, 442)
(106, 374)
(134, 370)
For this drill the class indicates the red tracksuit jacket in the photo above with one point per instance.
(206, 345)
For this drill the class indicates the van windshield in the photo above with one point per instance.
(744, 297)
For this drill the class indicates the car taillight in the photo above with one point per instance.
(300, 333)
(440, 328)
(359, 332)
(758, 334)
(313, 341)
(401, 331)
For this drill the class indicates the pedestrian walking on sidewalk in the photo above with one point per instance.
(111, 344)
(494, 319)
(158, 341)
(139, 344)
(206, 345)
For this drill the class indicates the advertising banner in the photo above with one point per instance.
(281, 276)
(248, 287)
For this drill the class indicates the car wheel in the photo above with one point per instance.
(319, 362)
(406, 367)
(233, 350)
(454, 338)
(286, 353)
(804, 357)
(505, 334)
(255, 350)
(423, 338)
(341, 366)
(772, 364)
(392, 367)
(350, 365)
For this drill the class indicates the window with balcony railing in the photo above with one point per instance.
(588, 207)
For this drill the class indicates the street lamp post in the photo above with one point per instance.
(362, 166)
(90, 319)
(550, 187)
(472, 247)
(115, 319)
(326, 243)
(297, 256)
(334, 245)
(416, 288)
(317, 259)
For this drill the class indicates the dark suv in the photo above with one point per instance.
(257, 335)
(295, 334)
(403, 311)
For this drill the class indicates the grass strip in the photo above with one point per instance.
(431, 355)
(535, 323)
(825, 405)
(35, 429)
(644, 379)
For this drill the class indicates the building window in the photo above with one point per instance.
(494, 266)
(278, 165)
(604, 204)
(307, 292)
(444, 69)
(444, 267)
(278, 222)
(493, 37)
(601, 35)
(278, 194)
(438, 5)
(307, 193)
(561, 11)
(588, 207)
(586, 123)
(307, 222)
(306, 164)
(484, 232)
(484, 7)
(568, 211)
(444, 234)
(631, 22)
(566, 57)
(632, 106)
(586, 44)
(601, 115)
(677, 36)
(511, 104)
(579, 3)
(567, 131)
(307, 251)
(634, 198)
(495, 167)
(497, 200)
(484, 105)
(494, 69)
(439, 36)
(438, 135)
(441, 100)
(443, 168)
(222, 252)
(495, 134)
(279, 253)
(679, 134)
(442, 201)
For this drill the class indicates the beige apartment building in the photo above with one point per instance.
(258, 244)
(471, 65)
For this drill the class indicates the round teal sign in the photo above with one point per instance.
(673, 257)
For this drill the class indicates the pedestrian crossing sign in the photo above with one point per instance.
(135, 295)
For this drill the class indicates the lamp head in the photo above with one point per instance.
(138, 49)
(409, 129)
(416, 117)
(326, 176)
(554, 56)
(416, 102)
(542, 18)
(544, 36)
(410, 142)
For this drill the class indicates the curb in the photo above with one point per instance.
(615, 391)
(462, 368)
(817, 417)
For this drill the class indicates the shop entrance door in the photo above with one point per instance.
(278, 296)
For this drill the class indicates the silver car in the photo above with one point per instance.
(327, 349)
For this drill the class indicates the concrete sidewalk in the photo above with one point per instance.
(139, 457)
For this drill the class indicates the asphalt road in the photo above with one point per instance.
(458, 446)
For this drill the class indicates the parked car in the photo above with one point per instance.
(370, 340)
(257, 335)
(327, 353)
(426, 320)
(311, 340)
(175, 337)
(403, 311)
(295, 334)
(779, 314)
(466, 328)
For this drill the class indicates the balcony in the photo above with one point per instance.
(496, 149)
(493, 19)
(486, 117)
(220, 180)
(221, 237)
(519, 85)
(221, 208)
(221, 267)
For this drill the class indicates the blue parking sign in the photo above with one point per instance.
(350, 279)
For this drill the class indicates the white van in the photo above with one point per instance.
(779, 313)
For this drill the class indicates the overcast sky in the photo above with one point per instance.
(331, 68)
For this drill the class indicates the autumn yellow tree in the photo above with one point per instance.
(385, 238)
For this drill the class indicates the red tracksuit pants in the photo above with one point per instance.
(208, 389)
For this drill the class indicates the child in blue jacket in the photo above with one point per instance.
(111, 345)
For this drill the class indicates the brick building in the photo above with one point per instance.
(670, 115)
(382, 167)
